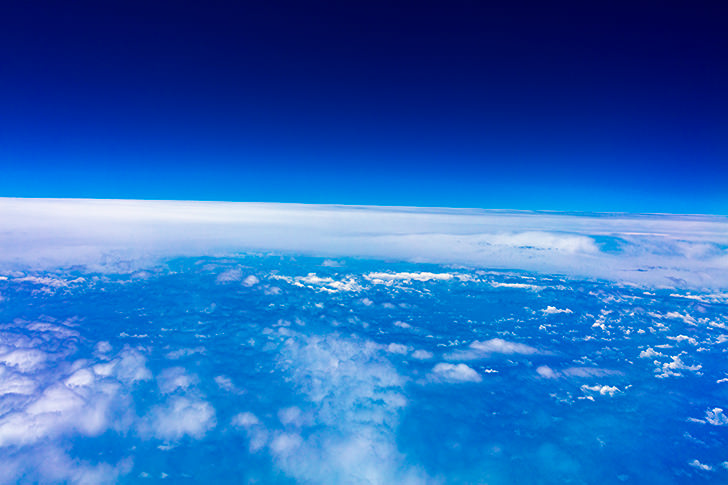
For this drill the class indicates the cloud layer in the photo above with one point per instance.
(682, 251)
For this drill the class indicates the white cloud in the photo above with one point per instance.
(394, 348)
(650, 353)
(384, 278)
(51, 464)
(716, 417)
(524, 286)
(185, 352)
(174, 378)
(345, 431)
(324, 284)
(226, 384)
(551, 310)
(700, 466)
(245, 419)
(103, 347)
(256, 432)
(291, 416)
(547, 372)
(251, 280)
(454, 373)
(684, 338)
(14, 383)
(230, 275)
(422, 354)
(670, 369)
(602, 390)
(25, 360)
(501, 346)
(130, 367)
(479, 350)
(180, 416)
(106, 234)
(679, 316)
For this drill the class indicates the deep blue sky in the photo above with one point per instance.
(603, 106)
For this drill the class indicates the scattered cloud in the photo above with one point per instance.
(446, 372)
(180, 416)
(716, 417)
(484, 349)
(550, 310)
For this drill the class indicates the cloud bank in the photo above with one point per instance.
(664, 250)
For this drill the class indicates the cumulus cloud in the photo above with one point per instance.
(602, 390)
(716, 417)
(255, 430)
(650, 353)
(321, 283)
(673, 368)
(82, 402)
(47, 397)
(546, 372)
(395, 348)
(174, 378)
(180, 416)
(700, 466)
(251, 280)
(551, 310)
(446, 372)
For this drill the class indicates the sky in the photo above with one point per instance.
(576, 107)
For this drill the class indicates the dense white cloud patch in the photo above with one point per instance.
(321, 283)
(602, 390)
(674, 366)
(47, 397)
(250, 280)
(665, 250)
(50, 464)
(446, 372)
(395, 348)
(81, 402)
(180, 416)
(650, 353)
(546, 372)
(551, 310)
(716, 417)
(700, 466)
(174, 378)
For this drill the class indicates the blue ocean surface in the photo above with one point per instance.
(268, 368)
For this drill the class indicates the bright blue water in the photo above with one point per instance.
(251, 370)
